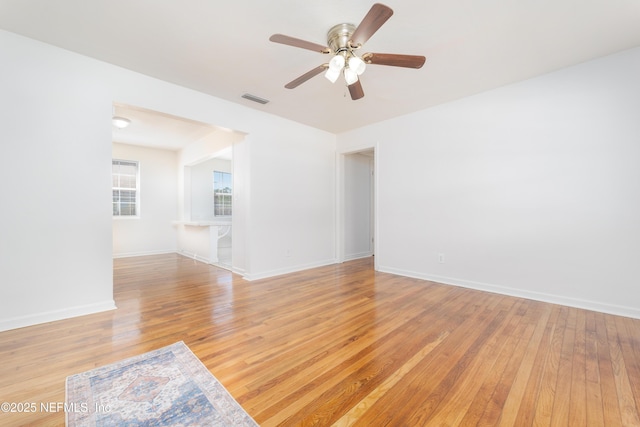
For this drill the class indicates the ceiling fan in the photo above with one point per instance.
(344, 40)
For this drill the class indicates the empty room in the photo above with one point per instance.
(347, 213)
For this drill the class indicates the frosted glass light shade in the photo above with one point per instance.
(336, 63)
(332, 74)
(357, 65)
(350, 76)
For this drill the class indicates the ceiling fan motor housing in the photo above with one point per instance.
(338, 37)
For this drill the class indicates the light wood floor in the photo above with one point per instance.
(346, 345)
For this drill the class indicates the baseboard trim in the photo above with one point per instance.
(192, 256)
(287, 270)
(360, 255)
(144, 253)
(536, 296)
(52, 316)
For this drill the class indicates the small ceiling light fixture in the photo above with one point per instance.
(120, 122)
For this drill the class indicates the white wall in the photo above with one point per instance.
(292, 203)
(153, 231)
(55, 140)
(530, 190)
(358, 183)
(58, 108)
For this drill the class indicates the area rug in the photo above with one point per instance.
(165, 387)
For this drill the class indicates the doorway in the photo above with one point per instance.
(358, 205)
(182, 210)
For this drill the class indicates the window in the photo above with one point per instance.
(126, 200)
(222, 196)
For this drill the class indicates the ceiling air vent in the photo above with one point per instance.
(255, 98)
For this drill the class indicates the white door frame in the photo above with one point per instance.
(340, 202)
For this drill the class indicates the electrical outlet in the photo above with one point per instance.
(287, 252)
(441, 258)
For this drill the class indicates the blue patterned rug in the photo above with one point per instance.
(165, 387)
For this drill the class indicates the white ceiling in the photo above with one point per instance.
(222, 47)
(159, 130)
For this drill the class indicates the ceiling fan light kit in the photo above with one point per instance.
(344, 58)
(343, 41)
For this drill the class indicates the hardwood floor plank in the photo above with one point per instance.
(631, 353)
(578, 367)
(525, 366)
(627, 404)
(548, 385)
(351, 417)
(344, 345)
(430, 406)
(610, 403)
(594, 408)
(478, 389)
(435, 375)
(562, 398)
(527, 410)
(501, 380)
(361, 371)
(325, 358)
